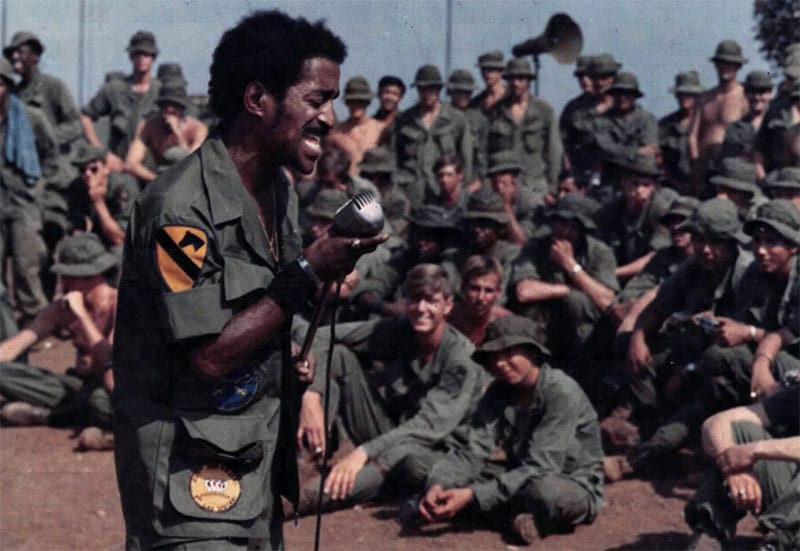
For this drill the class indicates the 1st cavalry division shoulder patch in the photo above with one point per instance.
(214, 488)
(180, 252)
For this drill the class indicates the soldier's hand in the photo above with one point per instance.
(639, 356)
(96, 185)
(452, 501)
(732, 333)
(561, 254)
(332, 258)
(762, 382)
(428, 503)
(745, 492)
(114, 163)
(342, 479)
(311, 426)
(305, 368)
(73, 301)
(736, 458)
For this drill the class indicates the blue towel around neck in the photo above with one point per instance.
(20, 149)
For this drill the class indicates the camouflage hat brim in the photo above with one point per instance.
(97, 266)
(177, 99)
(499, 217)
(783, 230)
(505, 342)
(626, 90)
(712, 233)
(587, 223)
(427, 83)
(730, 58)
(491, 65)
(143, 48)
(687, 89)
(505, 167)
(740, 185)
(460, 88)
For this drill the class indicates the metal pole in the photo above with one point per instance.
(537, 66)
(4, 19)
(81, 48)
(448, 47)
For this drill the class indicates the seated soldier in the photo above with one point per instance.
(551, 479)
(166, 137)
(476, 307)
(629, 222)
(485, 222)
(80, 397)
(452, 194)
(757, 452)
(705, 285)
(767, 299)
(400, 414)
(519, 203)
(100, 201)
(737, 181)
(431, 229)
(784, 183)
(564, 278)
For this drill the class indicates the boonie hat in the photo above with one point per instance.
(504, 161)
(460, 81)
(687, 83)
(603, 65)
(20, 38)
(171, 72)
(626, 83)
(326, 202)
(786, 177)
(639, 163)
(779, 214)
(518, 67)
(736, 173)
(485, 204)
(729, 50)
(757, 80)
(575, 206)
(508, 331)
(87, 153)
(428, 75)
(582, 65)
(377, 160)
(143, 41)
(83, 255)
(683, 206)
(357, 89)
(433, 217)
(172, 92)
(716, 219)
(491, 60)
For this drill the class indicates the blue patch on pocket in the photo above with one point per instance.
(237, 390)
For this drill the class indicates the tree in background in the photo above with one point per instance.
(777, 26)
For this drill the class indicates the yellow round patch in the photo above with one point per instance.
(215, 488)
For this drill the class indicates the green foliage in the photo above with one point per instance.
(777, 26)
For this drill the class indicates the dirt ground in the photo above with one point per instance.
(54, 498)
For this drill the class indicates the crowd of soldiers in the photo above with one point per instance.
(562, 302)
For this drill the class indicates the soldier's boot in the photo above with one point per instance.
(524, 528)
(649, 455)
(23, 414)
(409, 516)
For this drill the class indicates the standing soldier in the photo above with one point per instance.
(360, 131)
(491, 65)
(526, 125)
(740, 136)
(125, 102)
(460, 86)
(673, 132)
(426, 132)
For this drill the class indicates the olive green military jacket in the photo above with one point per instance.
(632, 238)
(534, 262)
(664, 263)
(620, 136)
(417, 148)
(558, 434)
(674, 143)
(691, 289)
(52, 96)
(577, 132)
(770, 138)
(536, 142)
(195, 255)
(427, 402)
(124, 108)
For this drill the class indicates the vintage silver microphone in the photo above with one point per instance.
(361, 216)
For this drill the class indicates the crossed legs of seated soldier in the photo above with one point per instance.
(62, 400)
(712, 511)
(401, 470)
(725, 374)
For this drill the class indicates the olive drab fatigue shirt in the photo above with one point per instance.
(771, 135)
(195, 255)
(620, 136)
(740, 137)
(536, 141)
(558, 434)
(426, 402)
(663, 264)
(417, 148)
(674, 143)
(125, 108)
(52, 96)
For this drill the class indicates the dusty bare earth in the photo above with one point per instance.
(54, 498)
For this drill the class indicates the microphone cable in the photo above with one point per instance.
(325, 405)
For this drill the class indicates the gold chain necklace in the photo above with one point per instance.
(272, 240)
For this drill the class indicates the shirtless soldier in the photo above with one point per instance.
(717, 108)
(360, 131)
